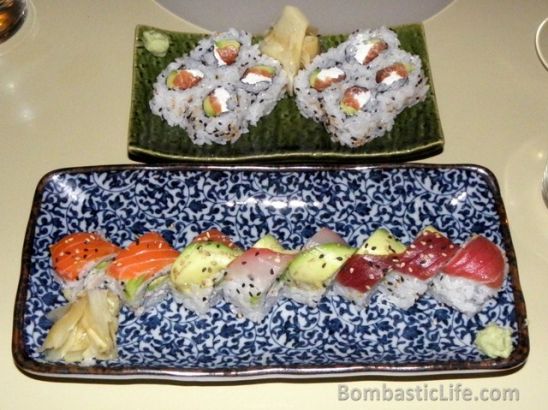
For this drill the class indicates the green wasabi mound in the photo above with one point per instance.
(495, 341)
(155, 43)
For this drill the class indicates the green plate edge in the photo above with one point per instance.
(284, 135)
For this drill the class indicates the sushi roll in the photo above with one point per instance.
(200, 268)
(177, 87)
(357, 89)
(251, 283)
(364, 47)
(361, 275)
(413, 270)
(265, 82)
(472, 276)
(222, 49)
(80, 260)
(141, 270)
(311, 272)
(322, 77)
(219, 89)
(400, 83)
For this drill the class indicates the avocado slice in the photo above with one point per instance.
(170, 79)
(209, 108)
(132, 286)
(157, 282)
(348, 109)
(313, 77)
(228, 43)
(201, 264)
(381, 242)
(313, 268)
(269, 242)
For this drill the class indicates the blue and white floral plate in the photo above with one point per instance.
(294, 341)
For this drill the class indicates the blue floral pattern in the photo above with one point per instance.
(292, 205)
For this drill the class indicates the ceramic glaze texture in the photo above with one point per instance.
(291, 204)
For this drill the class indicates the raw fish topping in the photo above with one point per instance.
(479, 260)
(146, 256)
(72, 254)
(426, 255)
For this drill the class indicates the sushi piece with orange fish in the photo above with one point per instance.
(140, 271)
(80, 260)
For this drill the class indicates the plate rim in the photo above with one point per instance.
(334, 370)
(146, 154)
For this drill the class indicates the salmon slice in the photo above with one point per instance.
(148, 255)
(76, 252)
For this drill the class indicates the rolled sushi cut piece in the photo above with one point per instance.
(251, 283)
(223, 49)
(365, 46)
(311, 272)
(357, 89)
(220, 89)
(141, 271)
(80, 260)
(265, 83)
(361, 275)
(177, 88)
(413, 270)
(200, 268)
(472, 276)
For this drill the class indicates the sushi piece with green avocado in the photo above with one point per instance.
(251, 284)
(200, 268)
(311, 272)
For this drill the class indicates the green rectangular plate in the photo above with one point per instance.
(283, 135)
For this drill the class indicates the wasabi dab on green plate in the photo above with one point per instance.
(495, 341)
(156, 43)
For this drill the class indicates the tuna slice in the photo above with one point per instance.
(479, 260)
(363, 272)
(427, 255)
